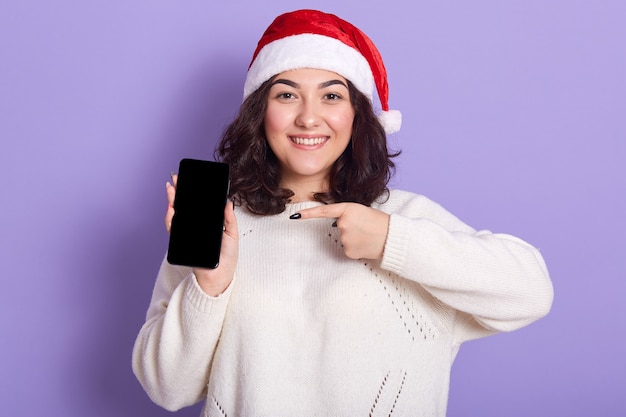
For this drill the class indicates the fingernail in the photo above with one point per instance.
(334, 224)
(295, 216)
(172, 173)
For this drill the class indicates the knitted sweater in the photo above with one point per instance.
(305, 331)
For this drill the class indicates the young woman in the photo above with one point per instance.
(334, 296)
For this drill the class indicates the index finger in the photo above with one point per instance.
(328, 211)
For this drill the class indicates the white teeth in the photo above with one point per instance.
(308, 141)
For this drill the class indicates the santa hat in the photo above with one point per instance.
(313, 39)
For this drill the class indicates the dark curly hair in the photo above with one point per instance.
(359, 175)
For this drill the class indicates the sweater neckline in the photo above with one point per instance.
(291, 208)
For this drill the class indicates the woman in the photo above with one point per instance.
(334, 295)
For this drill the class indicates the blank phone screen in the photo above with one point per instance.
(198, 222)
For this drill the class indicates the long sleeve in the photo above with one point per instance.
(174, 349)
(497, 280)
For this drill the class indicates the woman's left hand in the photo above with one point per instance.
(363, 229)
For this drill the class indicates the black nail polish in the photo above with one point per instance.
(295, 216)
(334, 224)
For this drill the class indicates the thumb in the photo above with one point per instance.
(230, 220)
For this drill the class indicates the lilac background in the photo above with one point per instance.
(514, 119)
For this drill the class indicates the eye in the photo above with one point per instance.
(285, 96)
(333, 96)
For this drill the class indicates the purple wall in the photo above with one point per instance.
(514, 119)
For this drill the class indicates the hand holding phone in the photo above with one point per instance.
(198, 221)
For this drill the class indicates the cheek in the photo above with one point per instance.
(269, 123)
(272, 126)
(342, 121)
(274, 118)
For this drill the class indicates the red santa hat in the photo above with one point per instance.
(314, 39)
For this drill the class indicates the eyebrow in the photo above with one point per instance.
(320, 86)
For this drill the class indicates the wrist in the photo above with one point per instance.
(209, 283)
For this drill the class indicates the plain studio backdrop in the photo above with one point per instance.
(514, 120)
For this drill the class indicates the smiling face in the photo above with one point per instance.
(308, 125)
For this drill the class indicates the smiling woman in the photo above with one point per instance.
(334, 295)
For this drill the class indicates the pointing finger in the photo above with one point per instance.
(330, 211)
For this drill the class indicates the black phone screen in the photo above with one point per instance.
(198, 222)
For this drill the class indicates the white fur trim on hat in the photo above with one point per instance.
(310, 51)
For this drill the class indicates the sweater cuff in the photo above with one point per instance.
(394, 254)
(202, 301)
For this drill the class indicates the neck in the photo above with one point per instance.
(304, 189)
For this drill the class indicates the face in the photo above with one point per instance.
(308, 124)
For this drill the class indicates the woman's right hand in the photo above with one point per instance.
(212, 281)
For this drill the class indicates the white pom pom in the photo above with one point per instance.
(391, 120)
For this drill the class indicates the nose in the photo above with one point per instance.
(309, 115)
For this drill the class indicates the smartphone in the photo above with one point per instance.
(198, 222)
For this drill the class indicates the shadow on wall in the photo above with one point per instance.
(129, 261)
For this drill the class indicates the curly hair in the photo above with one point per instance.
(359, 175)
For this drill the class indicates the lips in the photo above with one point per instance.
(309, 141)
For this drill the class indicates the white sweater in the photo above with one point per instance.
(305, 331)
